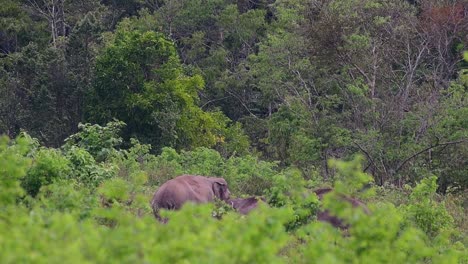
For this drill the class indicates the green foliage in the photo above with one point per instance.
(350, 177)
(377, 238)
(381, 236)
(48, 166)
(249, 174)
(298, 141)
(85, 170)
(99, 141)
(241, 28)
(202, 161)
(282, 126)
(164, 167)
(134, 239)
(451, 126)
(425, 212)
(234, 141)
(115, 190)
(13, 167)
(304, 151)
(114, 222)
(288, 189)
(308, 81)
(18, 28)
(33, 81)
(64, 196)
(139, 80)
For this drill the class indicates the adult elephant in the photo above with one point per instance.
(198, 189)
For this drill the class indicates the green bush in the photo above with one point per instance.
(425, 212)
(13, 167)
(99, 141)
(378, 238)
(202, 161)
(249, 175)
(235, 142)
(72, 221)
(164, 167)
(48, 165)
(383, 236)
(85, 170)
(64, 196)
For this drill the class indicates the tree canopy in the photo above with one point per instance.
(298, 82)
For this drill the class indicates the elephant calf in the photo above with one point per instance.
(245, 205)
(325, 216)
(198, 189)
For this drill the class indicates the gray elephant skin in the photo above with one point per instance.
(326, 216)
(197, 189)
(245, 205)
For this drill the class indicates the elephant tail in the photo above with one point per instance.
(159, 218)
(156, 214)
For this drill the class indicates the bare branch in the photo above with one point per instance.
(427, 149)
(243, 104)
(367, 155)
(214, 100)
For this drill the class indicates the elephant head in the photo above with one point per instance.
(220, 188)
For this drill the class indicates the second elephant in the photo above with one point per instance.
(326, 216)
(245, 205)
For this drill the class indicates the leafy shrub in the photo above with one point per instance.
(85, 170)
(456, 205)
(48, 165)
(424, 211)
(378, 238)
(99, 141)
(392, 194)
(221, 208)
(13, 167)
(287, 187)
(256, 238)
(288, 190)
(305, 211)
(202, 161)
(350, 178)
(249, 175)
(304, 151)
(203, 239)
(133, 158)
(164, 167)
(64, 196)
(69, 221)
(383, 236)
(235, 142)
(115, 190)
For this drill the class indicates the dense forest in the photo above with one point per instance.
(102, 101)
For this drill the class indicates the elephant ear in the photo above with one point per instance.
(220, 188)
